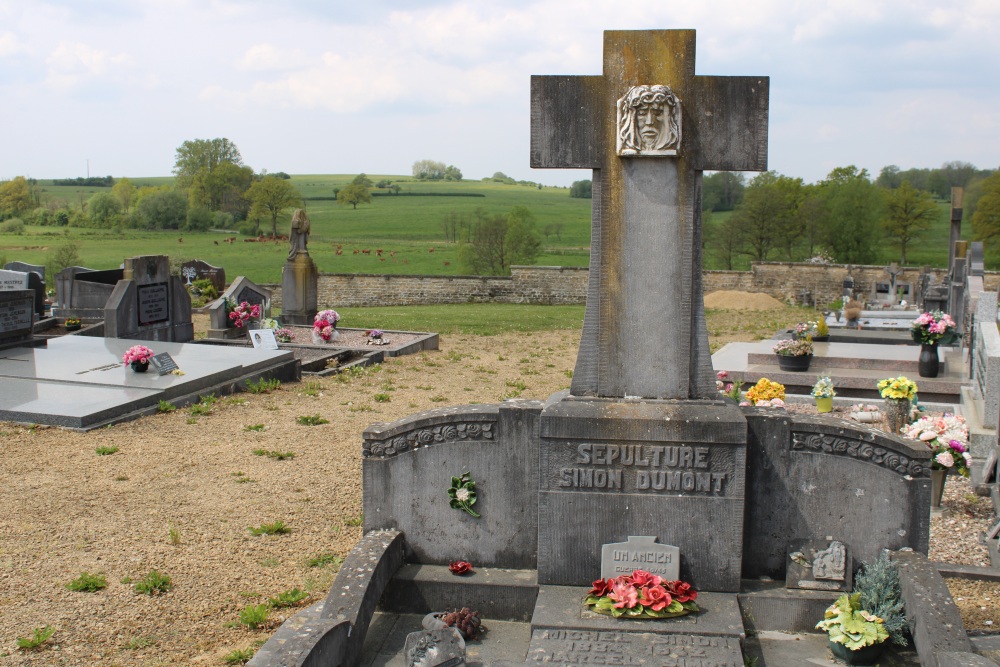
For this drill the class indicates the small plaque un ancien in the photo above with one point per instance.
(640, 553)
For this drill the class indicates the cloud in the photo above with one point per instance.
(9, 45)
(72, 64)
(267, 57)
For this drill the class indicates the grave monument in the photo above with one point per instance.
(640, 461)
(299, 276)
(148, 303)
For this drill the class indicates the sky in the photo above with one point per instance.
(327, 87)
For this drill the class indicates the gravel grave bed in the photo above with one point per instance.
(182, 490)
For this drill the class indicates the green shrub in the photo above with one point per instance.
(40, 636)
(12, 226)
(88, 583)
(275, 528)
(254, 616)
(153, 583)
(878, 584)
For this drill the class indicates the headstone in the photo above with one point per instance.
(643, 445)
(24, 266)
(822, 565)
(148, 303)
(434, 648)
(199, 270)
(16, 316)
(956, 224)
(18, 280)
(242, 289)
(83, 292)
(976, 262)
(299, 276)
(640, 553)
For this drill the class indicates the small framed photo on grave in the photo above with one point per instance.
(163, 363)
(819, 565)
(263, 339)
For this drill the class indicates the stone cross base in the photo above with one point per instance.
(611, 468)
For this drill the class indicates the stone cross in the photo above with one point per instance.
(956, 224)
(644, 332)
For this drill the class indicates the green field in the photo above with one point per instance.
(407, 229)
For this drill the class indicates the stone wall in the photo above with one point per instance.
(554, 285)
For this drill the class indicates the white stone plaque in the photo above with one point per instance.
(263, 339)
(11, 280)
(640, 553)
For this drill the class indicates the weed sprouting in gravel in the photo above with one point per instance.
(88, 583)
(274, 528)
(289, 598)
(263, 386)
(106, 450)
(273, 454)
(153, 584)
(312, 420)
(165, 406)
(324, 559)
(255, 615)
(39, 637)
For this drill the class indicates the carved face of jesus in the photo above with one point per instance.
(649, 121)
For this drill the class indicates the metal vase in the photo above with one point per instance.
(928, 364)
(897, 413)
(937, 487)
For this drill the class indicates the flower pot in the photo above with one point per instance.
(937, 487)
(73, 327)
(897, 413)
(863, 656)
(796, 364)
(928, 364)
(139, 366)
(824, 404)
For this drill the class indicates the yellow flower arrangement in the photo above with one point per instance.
(765, 390)
(901, 387)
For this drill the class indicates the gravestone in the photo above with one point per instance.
(955, 233)
(299, 276)
(20, 280)
(148, 303)
(17, 317)
(83, 292)
(642, 445)
(242, 289)
(24, 266)
(199, 270)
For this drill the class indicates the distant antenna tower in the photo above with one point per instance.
(88, 167)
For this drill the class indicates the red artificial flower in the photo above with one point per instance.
(624, 594)
(681, 591)
(643, 578)
(601, 587)
(460, 567)
(655, 597)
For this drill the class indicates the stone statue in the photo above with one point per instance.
(298, 236)
(649, 121)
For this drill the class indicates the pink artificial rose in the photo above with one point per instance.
(656, 598)
(601, 587)
(945, 459)
(681, 591)
(957, 446)
(460, 567)
(624, 595)
(722, 375)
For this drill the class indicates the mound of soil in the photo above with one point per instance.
(733, 300)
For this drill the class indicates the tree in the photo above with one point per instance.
(498, 241)
(354, 194)
(854, 205)
(452, 173)
(889, 178)
(362, 179)
(428, 170)
(271, 196)
(15, 197)
(197, 154)
(104, 208)
(222, 189)
(768, 211)
(722, 191)
(909, 213)
(125, 192)
(986, 219)
(163, 210)
(581, 189)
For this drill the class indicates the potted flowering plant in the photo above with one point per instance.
(794, 354)
(241, 314)
(642, 595)
(284, 335)
(856, 635)
(72, 324)
(930, 330)
(823, 392)
(325, 326)
(948, 438)
(898, 393)
(137, 357)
